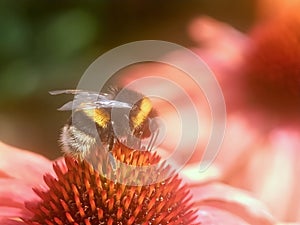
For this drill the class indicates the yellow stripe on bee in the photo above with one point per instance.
(145, 108)
(99, 116)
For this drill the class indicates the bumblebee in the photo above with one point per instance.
(101, 119)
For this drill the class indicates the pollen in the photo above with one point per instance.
(80, 195)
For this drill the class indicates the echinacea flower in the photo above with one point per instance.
(259, 73)
(77, 194)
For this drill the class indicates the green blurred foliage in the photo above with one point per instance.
(46, 45)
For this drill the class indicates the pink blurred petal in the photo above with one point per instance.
(276, 181)
(210, 215)
(13, 193)
(221, 45)
(237, 146)
(232, 201)
(224, 49)
(11, 212)
(6, 221)
(23, 165)
(193, 176)
(287, 223)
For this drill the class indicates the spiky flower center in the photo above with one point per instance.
(80, 195)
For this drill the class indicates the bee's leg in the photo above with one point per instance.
(111, 142)
(153, 139)
(134, 141)
(112, 161)
(138, 143)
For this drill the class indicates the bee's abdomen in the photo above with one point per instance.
(82, 134)
(76, 142)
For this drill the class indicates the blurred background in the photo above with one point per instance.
(48, 45)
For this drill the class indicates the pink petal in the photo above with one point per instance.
(277, 181)
(287, 223)
(224, 49)
(11, 212)
(237, 146)
(23, 165)
(234, 202)
(192, 176)
(13, 193)
(6, 221)
(209, 215)
(221, 45)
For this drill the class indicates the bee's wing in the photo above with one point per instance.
(81, 93)
(103, 103)
(89, 100)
